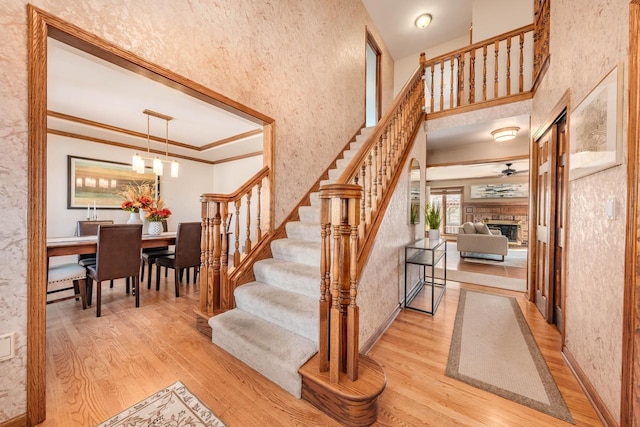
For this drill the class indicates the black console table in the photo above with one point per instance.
(427, 254)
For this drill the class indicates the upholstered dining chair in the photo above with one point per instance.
(89, 228)
(149, 256)
(118, 256)
(187, 253)
(69, 272)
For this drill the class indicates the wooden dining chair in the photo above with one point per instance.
(187, 253)
(149, 256)
(117, 257)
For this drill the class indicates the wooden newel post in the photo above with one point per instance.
(339, 316)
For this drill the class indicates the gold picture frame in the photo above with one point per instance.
(99, 183)
(595, 128)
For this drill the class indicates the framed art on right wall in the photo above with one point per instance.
(595, 128)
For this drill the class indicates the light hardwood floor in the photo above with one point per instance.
(97, 367)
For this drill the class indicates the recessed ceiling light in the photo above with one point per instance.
(505, 134)
(423, 20)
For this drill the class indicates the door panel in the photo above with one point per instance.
(545, 222)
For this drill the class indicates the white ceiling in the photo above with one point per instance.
(395, 19)
(478, 170)
(476, 133)
(90, 88)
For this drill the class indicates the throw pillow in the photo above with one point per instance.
(469, 228)
(481, 228)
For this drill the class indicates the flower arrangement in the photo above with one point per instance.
(156, 211)
(137, 197)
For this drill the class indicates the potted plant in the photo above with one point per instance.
(433, 219)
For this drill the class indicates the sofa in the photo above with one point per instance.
(476, 240)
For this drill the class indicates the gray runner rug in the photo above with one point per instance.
(493, 349)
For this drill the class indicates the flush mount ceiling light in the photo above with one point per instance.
(423, 21)
(137, 162)
(505, 134)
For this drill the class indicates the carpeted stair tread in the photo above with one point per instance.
(291, 310)
(275, 352)
(309, 214)
(301, 251)
(299, 230)
(292, 276)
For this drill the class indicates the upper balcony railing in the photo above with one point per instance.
(495, 71)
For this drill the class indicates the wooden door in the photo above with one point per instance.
(560, 218)
(545, 157)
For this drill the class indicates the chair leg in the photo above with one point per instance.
(188, 270)
(166, 272)
(196, 271)
(181, 274)
(157, 277)
(142, 269)
(111, 284)
(82, 288)
(89, 285)
(148, 276)
(98, 298)
(128, 286)
(177, 273)
(136, 286)
(76, 288)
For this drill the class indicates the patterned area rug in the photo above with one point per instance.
(493, 349)
(173, 406)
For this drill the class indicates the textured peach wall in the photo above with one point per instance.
(595, 273)
(301, 63)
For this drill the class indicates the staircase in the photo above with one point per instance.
(274, 327)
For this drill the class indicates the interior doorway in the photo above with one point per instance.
(372, 82)
(549, 178)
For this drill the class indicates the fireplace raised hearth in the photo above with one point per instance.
(507, 228)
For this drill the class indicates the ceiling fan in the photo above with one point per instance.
(509, 171)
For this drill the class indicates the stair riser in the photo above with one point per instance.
(307, 283)
(303, 254)
(309, 214)
(294, 312)
(303, 231)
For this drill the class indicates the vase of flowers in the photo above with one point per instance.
(136, 199)
(155, 213)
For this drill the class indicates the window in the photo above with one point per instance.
(450, 202)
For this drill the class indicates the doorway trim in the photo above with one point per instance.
(42, 25)
(371, 41)
(630, 399)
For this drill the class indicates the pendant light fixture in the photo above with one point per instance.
(138, 162)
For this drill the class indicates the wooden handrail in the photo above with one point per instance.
(350, 172)
(481, 44)
(216, 264)
(252, 182)
(460, 73)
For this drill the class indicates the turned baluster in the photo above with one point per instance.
(370, 190)
(325, 282)
(215, 243)
(236, 254)
(247, 243)
(225, 294)
(441, 85)
(472, 76)
(353, 314)
(451, 84)
(496, 51)
(484, 72)
(461, 79)
(521, 77)
(432, 88)
(508, 92)
(258, 227)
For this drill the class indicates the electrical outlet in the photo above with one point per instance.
(7, 346)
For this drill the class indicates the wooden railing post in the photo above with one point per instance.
(339, 314)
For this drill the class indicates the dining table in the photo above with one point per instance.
(78, 245)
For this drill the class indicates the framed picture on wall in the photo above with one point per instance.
(99, 183)
(499, 191)
(595, 128)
